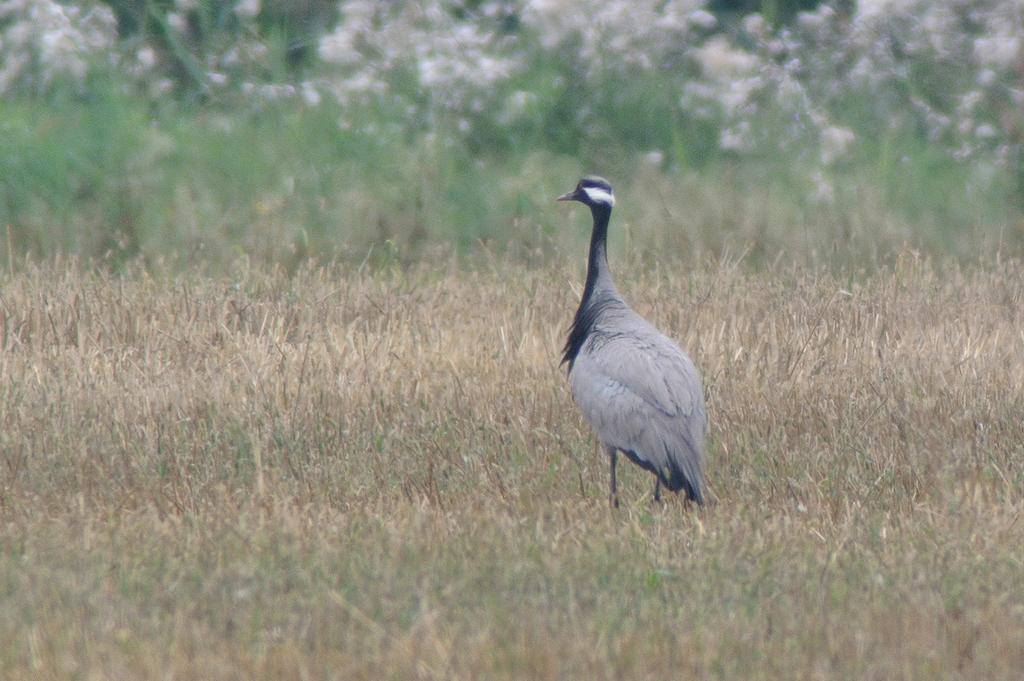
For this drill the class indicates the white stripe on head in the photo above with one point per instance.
(598, 195)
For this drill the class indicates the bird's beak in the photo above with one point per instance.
(571, 196)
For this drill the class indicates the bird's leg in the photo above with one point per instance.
(657, 489)
(613, 493)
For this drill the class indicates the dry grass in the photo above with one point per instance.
(363, 476)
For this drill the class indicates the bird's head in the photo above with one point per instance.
(593, 191)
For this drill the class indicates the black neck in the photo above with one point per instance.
(598, 279)
(597, 263)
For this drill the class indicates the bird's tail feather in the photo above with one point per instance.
(674, 477)
(678, 480)
(682, 475)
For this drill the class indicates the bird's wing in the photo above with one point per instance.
(642, 395)
(652, 366)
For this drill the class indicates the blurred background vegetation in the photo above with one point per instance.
(194, 131)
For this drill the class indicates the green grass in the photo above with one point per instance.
(110, 177)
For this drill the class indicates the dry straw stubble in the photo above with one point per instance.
(342, 474)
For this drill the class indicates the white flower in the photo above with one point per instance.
(824, 191)
(247, 9)
(969, 101)
(869, 11)
(19, 34)
(720, 60)
(177, 21)
(986, 131)
(146, 57)
(516, 106)
(310, 95)
(654, 158)
(835, 142)
(9, 7)
(736, 138)
(1000, 50)
(161, 87)
(337, 48)
(986, 77)
(738, 93)
(703, 19)
(812, 22)
(755, 26)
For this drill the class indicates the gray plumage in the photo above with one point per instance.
(639, 391)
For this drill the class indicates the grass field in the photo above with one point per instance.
(378, 473)
(282, 294)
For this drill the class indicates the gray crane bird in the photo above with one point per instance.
(640, 392)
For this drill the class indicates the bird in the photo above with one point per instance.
(639, 391)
